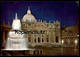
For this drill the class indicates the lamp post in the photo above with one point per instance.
(75, 43)
(68, 41)
(62, 41)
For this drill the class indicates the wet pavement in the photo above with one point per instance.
(63, 52)
(47, 51)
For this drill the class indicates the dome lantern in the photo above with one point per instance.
(29, 11)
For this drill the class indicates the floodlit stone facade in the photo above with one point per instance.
(70, 35)
(52, 30)
(53, 33)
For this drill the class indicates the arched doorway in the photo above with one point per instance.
(35, 40)
(38, 39)
(42, 40)
(29, 39)
(57, 39)
(47, 40)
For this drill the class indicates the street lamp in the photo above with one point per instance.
(62, 41)
(75, 43)
(68, 41)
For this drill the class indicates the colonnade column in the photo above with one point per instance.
(49, 36)
(3, 38)
(31, 38)
(41, 38)
(37, 38)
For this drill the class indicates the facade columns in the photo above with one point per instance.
(6, 36)
(68, 41)
(3, 38)
(36, 38)
(49, 36)
(31, 38)
(40, 38)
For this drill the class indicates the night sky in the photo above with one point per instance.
(64, 11)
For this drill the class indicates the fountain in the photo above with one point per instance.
(16, 44)
(16, 41)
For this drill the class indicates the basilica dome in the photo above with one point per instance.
(28, 17)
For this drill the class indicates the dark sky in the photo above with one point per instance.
(64, 11)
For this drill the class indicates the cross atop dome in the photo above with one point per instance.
(28, 7)
(28, 11)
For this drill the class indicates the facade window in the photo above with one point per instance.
(29, 24)
(65, 31)
(47, 35)
(40, 51)
(47, 25)
(29, 39)
(42, 40)
(36, 52)
(56, 26)
(35, 40)
(24, 24)
(35, 24)
(56, 39)
(47, 40)
(35, 35)
(68, 41)
(38, 39)
(29, 35)
(51, 26)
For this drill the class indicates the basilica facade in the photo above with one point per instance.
(52, 30)
(53, 33)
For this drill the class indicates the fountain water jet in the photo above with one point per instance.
(16, 41)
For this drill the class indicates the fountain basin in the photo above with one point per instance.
(16, 44)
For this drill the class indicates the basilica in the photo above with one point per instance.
(53, 33)
(52, 30)
(52, 36)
